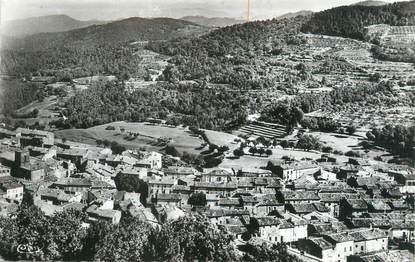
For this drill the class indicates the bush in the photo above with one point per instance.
(352, 153)
(238, 152)
(351, 130)
(327, 149)
(309, 142)
(171, 150)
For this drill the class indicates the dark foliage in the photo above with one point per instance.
(193, 105)
(349, 21)
(398, 139)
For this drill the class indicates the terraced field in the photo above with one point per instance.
(263, 129)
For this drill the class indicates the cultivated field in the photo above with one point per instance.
(263, 129)
(147, 136)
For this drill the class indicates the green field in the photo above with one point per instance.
(148, 135)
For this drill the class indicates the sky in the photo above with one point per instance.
(117, 9)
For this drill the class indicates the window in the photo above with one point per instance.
(350, 248)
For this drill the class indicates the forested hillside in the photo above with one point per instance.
(349, 21)
(102, 49)
(231, 55)
(194, 105)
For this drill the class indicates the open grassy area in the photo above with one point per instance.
(339, 142)
(222, 139)
(148, 136)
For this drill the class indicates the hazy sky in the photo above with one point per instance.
(114, 9)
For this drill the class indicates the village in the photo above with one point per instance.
(330, 208)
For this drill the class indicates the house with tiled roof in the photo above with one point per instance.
(319, 248)
(273, 229)
(369, 240)
(266, 205)
(293, 197)
(352, 207)
(169, 200)
(343, 244)
(217, 176)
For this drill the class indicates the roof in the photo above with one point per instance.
(179, 170)
(231, 186)
(210, 213)
(84, 182)
(11, 185)
(267, 221)
(229, 202)
(249, 199)
(273, 221)
(164, 181)
(299, 166)
(73, 152)
(56, 194)
(320, 207)
(218, 172)
(370, 222)
(368, 234)
(169, 197)
(357, 203)
(322, 243)
(302, 208)
(389, 256)
(399, 204)
(257, 171)
(339, 237)
(299, 195)
(379, 205)
(326, 228)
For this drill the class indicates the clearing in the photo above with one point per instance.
(135, 135)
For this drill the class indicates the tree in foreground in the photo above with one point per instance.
(190, 238)
(266, 252)
(125, 242)
(60, 237)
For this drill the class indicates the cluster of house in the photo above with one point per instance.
(323, 210)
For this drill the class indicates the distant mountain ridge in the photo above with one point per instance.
(370, 3)
(121, 31)
(295, 14)
(44, 24)
(212, 21)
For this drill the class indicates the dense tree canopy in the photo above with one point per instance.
(210, 108)
(58, 237)
(349, 21)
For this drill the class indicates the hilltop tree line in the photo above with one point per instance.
(349, 21)
(103, 49)
(195, 105)
(68, 62)
(31, 235)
